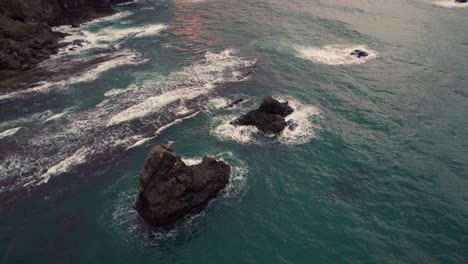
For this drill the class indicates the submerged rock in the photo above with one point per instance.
(234, 103)
(169, 190)
(359, 53)
(268, 118)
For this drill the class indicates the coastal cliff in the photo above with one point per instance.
(26, 37)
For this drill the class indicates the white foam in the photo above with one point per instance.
(127, 3)
(87, 131)
(57, 116)
(122, 58)
(9, 132)
(303, 115)
(335, 54)
(177, 121)
(116, 92)
(140, 142)
(200, 79)
(217, 103)
(451, 4)
(149, 106)
(78, 157)
(222, 129)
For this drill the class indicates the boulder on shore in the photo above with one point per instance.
(268, 118)
(169, 190)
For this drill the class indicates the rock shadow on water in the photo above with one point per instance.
(351, 185)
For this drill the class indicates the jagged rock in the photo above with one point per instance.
(234, 103)
(359, 53)
(268, 118)
(169, 190)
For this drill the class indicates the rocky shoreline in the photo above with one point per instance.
(27, 38)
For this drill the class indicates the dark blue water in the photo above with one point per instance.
(375, 173)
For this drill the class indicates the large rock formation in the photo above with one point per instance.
(268, 118)
(169, 190)
(26, 37)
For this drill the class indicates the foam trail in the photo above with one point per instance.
(9, 132)
(154, 104)
(57, 116)
(335, 54)
(192, 161)
(140, 142)
(78, 157)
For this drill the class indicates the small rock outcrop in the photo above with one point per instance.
(359, 53)
(234, 103)
(268, 118)
(169, 190)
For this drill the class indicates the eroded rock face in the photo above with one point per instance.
(268, 118)
(169, 190)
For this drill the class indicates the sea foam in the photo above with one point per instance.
(335, 54)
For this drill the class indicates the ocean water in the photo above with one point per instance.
(377, 171)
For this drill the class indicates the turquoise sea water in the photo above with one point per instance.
(376, 172)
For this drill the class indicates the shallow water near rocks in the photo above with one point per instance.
(376, 172)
